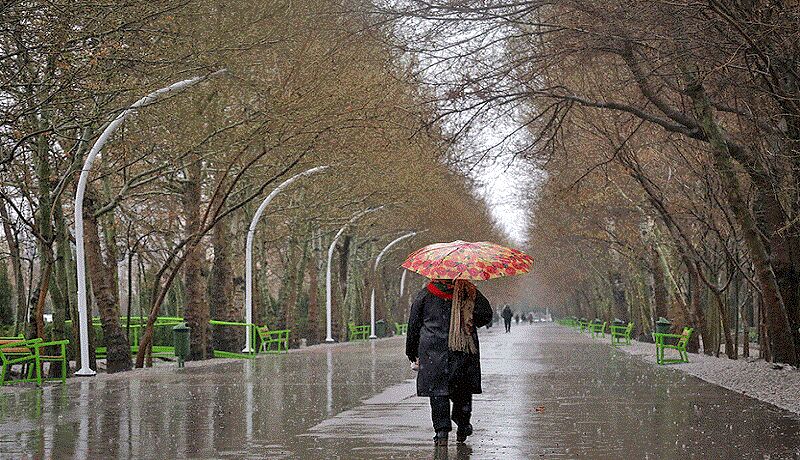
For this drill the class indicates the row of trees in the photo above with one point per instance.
(669, 134)
(172, 194)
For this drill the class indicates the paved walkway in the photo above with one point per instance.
(549, 393)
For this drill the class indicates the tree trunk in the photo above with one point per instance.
(197, 312)
(16, 267)
(746, 334)
(43, 219)
(723, 320)
(696, 316)
(59, 291)
(297, 290)
(784, 251)
(313, 289)
(44, 286)
(105, 291)
(781, 336)
(285, 312)
(618, 296)
(344, 260)
(682, 243)
(764, 347)
(220, 292)
(660, 292)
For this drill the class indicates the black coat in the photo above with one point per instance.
(507, 314)
(442, 371)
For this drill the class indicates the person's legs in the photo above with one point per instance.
(462, 409)
(440, 413)
(462, 413)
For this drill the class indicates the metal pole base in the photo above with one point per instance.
(373, 336)
(329, 341)
(85, 372)
(247, 350)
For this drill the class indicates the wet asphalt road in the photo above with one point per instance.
(548, 393)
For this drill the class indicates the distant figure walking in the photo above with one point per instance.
(442, 338)
(507, 315)
(516, 318)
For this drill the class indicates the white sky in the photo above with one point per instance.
(501, 188)
(502, 182)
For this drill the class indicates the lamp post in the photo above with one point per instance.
(374, 270)
(328, 300)
(403, 282)
(248, 283)
(83, 315)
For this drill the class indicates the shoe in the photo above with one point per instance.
(440, 440)
(461, 434)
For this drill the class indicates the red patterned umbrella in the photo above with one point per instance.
(470, 261)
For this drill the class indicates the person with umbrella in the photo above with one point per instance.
(442, 338)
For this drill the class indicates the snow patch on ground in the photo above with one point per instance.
(755, 378)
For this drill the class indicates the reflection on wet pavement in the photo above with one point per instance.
(547, 393)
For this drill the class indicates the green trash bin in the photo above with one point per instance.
(380, 328)
(663, 325)
(180, 339)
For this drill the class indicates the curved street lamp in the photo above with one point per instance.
(83, 315)
(403, 282)
(248, 283)
(328, 301)
(374, 270)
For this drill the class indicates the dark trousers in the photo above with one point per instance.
(440, 411)
(508, 324)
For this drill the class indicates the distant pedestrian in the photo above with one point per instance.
(507, 315)
(516, 318)
(442, 338)
(530, 317)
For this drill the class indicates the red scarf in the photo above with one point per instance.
(439, 293)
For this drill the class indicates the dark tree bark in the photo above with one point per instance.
(104, 288)
(60, 288)
(781, 336)
(314, 332)
(44, 226)
(298, 271)
(619, 296)
(197, 312)
(220, 292)
(16, 267)
(660, 292)
(344, 260)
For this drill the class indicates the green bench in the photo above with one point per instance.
(357, 332)
(401, 329)
(598, 329)
(31, 354)
(621, 335)
(279, 339)
(680, 346)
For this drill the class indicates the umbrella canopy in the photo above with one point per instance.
(470, 261)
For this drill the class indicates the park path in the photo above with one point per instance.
(548, 393)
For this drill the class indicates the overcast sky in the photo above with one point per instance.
(491, 136)
(501, 189)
